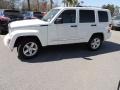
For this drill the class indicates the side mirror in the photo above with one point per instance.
(58, 21)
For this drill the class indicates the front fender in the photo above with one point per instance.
(18, 33)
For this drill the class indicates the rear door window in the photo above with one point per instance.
(86, 16)
(103, 16)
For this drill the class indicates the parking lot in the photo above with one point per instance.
(68, 67)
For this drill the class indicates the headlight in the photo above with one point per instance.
(8, 42)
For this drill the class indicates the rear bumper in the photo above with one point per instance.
(108, 35)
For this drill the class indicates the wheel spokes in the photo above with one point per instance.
(32, 45)
(30, 49)
(95, 43)
(26, 51)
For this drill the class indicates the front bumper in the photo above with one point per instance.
(7, 42)
(4, 27)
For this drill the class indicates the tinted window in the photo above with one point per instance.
(11, 12)
(38, 14)
(103, 16)
(28, 14)
(86, 16)
(68, 16)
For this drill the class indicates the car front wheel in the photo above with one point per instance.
(28, 49)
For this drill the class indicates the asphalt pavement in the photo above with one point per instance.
(67, 67)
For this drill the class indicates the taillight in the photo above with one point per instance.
(110, 28)
(110, 25)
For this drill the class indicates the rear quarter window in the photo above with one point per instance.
(103, 16)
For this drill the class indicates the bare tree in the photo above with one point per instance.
(12, 4)
(70, 2)
(4, 4)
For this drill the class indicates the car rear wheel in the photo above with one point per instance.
(95, 43)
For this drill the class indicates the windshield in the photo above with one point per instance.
(29, 14)
(50, 15)
(117, 18)
(38, 15)
(11, 12)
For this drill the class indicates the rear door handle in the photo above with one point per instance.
(93, 25)
(73, 26)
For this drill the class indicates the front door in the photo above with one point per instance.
(87, 24)
(67, 28)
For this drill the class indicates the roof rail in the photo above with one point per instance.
(87, 6)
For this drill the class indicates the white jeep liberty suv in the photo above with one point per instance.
(62, 25)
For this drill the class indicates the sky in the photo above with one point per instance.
(97, 3)
(101, 2)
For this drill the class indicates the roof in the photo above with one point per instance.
(93, 8)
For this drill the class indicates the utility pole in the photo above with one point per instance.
(28, 4)
(38, 4)
(51, 4)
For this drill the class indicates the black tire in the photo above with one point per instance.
(97, 45)
(21, 47)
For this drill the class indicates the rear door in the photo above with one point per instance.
(87, 24)
(103, 20)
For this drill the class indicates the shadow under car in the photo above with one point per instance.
(57, 53)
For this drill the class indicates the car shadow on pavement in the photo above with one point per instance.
(56, 53)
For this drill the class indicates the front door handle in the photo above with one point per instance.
(93, 25)
(73, 26)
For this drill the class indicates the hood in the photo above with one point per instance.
(25, 23)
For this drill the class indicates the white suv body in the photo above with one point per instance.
(62, 25)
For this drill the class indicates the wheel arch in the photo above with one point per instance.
(98, 34)
(22, 38)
